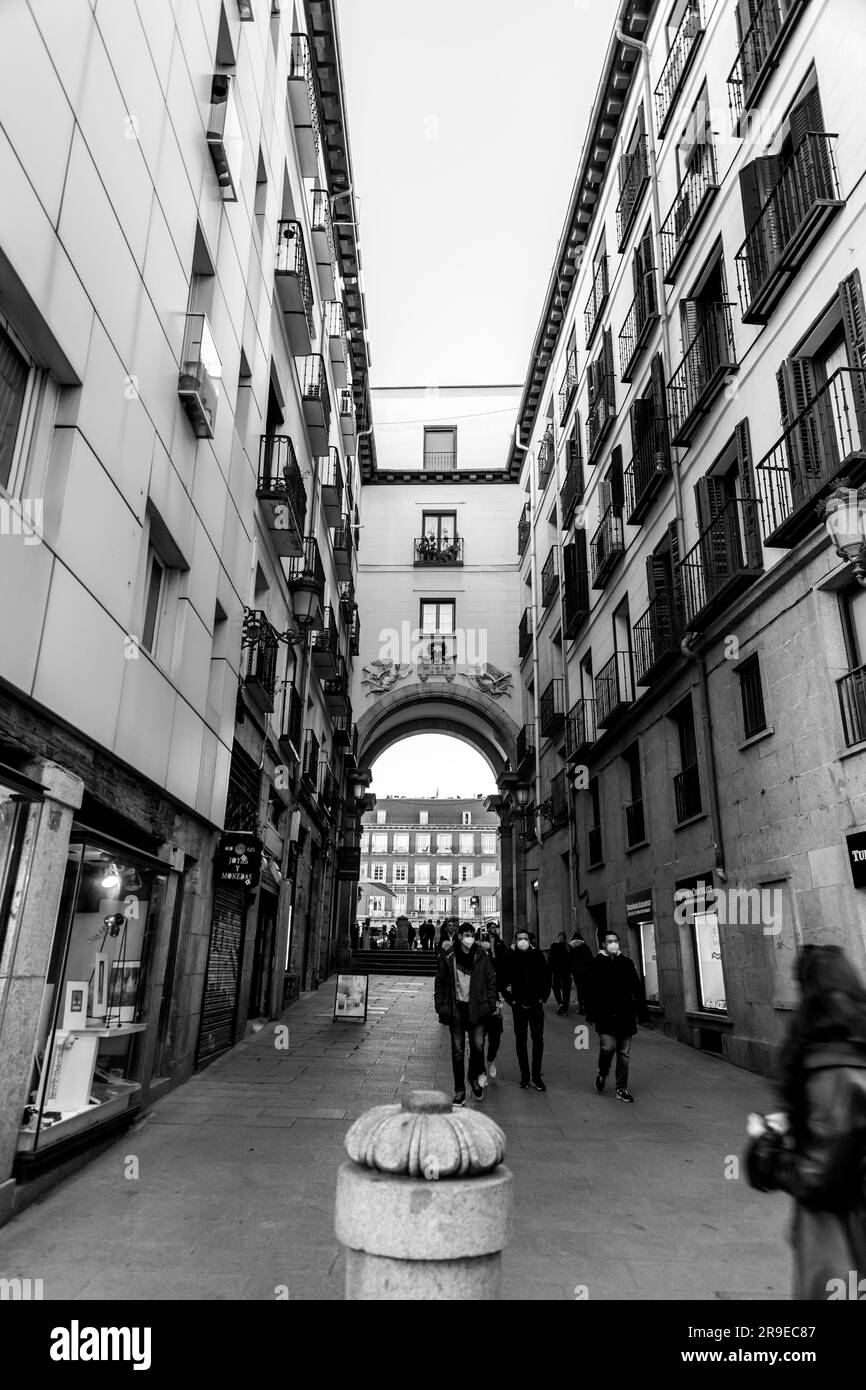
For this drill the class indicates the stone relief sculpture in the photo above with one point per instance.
(489, 680)
(380, 676)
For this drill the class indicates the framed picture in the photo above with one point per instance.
(75, 1005)
(351, 997)
(123, 989)
(99, 986)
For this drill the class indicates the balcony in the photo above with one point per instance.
(550, 577)
(709, 360)
(259, 648)
(342, 734)
(524, 634)
(600, 415)
(679, 61)
(595, 855)
(698, 188)
(198, 384)
(328, 790)
(607, 546)
(646, 474)
(316, 400)
(331, 482)
(568, 387)
(545, 459)
(306, 579)
(826, 439)
(852, 704)
(324, 249)
(225, 139)
(294, 287)
(280, 490)
(571, 492)
(347, 599)
(525, 746)
(439, 461)
(438, 550)
(347, 417)
(325, 645)
(657, 638)
(796, 213)
(304, 105)
(338, 341)
(687, 794)
(290, 739)
(597, 300)
(575, 594)
(523, 531)
(355, 631)
(725, 561)
(635, 824)
(552, 708)
(336, 689)
(343, 548)
(637, 330)
(580, 732)
(557, 802)
(310, 759)
(635, 178)
(614, 690)
(758, 54)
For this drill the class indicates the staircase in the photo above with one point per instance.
(394, 962)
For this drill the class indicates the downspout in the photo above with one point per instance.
(536, 703)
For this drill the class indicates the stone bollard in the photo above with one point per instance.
(425, 1207)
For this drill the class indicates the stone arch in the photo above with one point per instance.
(439, 707)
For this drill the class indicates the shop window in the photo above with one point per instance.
(649, 961)
(13, 815)
(692, 907)
(89, 1047)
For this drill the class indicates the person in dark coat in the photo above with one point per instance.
(464, 996)
(615, 1004)
(581, 959)
(392, 938)
(560, 972)
(816, 1148)
(494, 1025)
(526, 986)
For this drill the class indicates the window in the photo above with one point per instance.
(400, 904)
(365, 869)
(381, 817)
(423, 817)
(443, 872)
(488, 844)
(422, 903)
(442, 904)
(467, 817)
(154, 590)
(14, 374)
(380, 844)
(379, 873)
(437, 615)
(401, 843)
(440, 448)
(467, 907)
(401, 873)
(635, 831)
(687, 784)
(752, 697)
(439, 526)
(649, 961)
(443, 844)
(709, 974)
(422, 871)
(467, 844)
(594, 841)
(466, 872)
(365, 842)
(488, 869)
(422, 844)
(488, 906)
(376, 904)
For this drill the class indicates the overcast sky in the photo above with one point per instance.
(430, 765)
(466, 120)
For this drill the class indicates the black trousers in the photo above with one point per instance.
(494, 1029)
(459, 1028)
(533, 1020)
(562, 990)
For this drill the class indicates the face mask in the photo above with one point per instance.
(523, 945)
(468, 941)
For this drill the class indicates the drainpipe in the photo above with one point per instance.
(536, 702)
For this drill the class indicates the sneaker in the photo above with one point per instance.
(539, 1085)
(476, 1090)
(491, 1070)
(599, 1083)
(482, 1080)
(459, 1099)
(524, 1083)
(623, 1094)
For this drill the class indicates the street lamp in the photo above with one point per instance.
(844, 515)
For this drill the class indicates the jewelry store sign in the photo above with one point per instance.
(239, 859)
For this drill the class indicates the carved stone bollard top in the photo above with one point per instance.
(425, 1138)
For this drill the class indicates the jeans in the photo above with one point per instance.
(459, 1028)
(608, 1044)
(562, 990)
(533, 1019)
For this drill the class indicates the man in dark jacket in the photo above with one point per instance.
(581, 959)
(615, 1004)
(464, 996)
(526, 986)
(560, 972)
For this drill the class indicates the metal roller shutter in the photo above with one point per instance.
(222, 979)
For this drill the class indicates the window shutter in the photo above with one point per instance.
(815, 164)
(710, 500)
(797, 390)
(757, 180)
(577, 440)
(617, 496)
(719, 540)
(854, 321)
(591, 382)
(806, 115)
(748, 493)
(689, 322)
(677, 595)
(607, 370)
(657, 575)
(660, 409)
(605, 496)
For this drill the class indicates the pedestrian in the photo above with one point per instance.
(816, 1148)
(495, 1024)
(428, 935)
(615, 1004)
(354, 935)
(526, 986)
(410, 936)
(581, 958)
(444, 936)
(560, 972)
(392, 938)
(464, 996)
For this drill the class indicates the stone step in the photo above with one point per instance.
(394, 962)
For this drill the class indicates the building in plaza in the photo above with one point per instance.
(694, 725)
(184, 422)
(423, 858)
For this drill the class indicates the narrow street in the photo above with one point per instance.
(236, 1171)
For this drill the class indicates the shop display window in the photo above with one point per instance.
(649, 961)
(88, 1053)
(13, 816)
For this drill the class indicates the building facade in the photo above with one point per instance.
(692, 728)
(184, 424)
(424, 858)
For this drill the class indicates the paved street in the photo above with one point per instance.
(237, 1171)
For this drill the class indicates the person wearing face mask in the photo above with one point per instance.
(464, 996)
(526, 986)
(616, 1003)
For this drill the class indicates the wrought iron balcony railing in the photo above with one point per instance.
(600, 415)
(637, 329)
(523, 531)
(614, 689)
(758, 54)
(315, 393)
(698, 188)
(726, 560)
(321, 221)
(636, 172)
(571, 492)
(524, 636)
(310, 759)
(307, 570)
(325, 642)
(648, 469)
(825, 440)
(568, 386)
(607, 546)
(545, 459)
(796, 212)
(550, 577)
(280, 489)
(438, 550)
(552, 707)
(852, 703)
(635, 825)
(302, 93)
(525, 745)
(709, 360)
(597, 299)
(259, 648)
(580, 732)
(355, 631)
(347, 599)
(679, 61)
(657, 637)
(297, 297)
(687, 793)
(439, 461)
